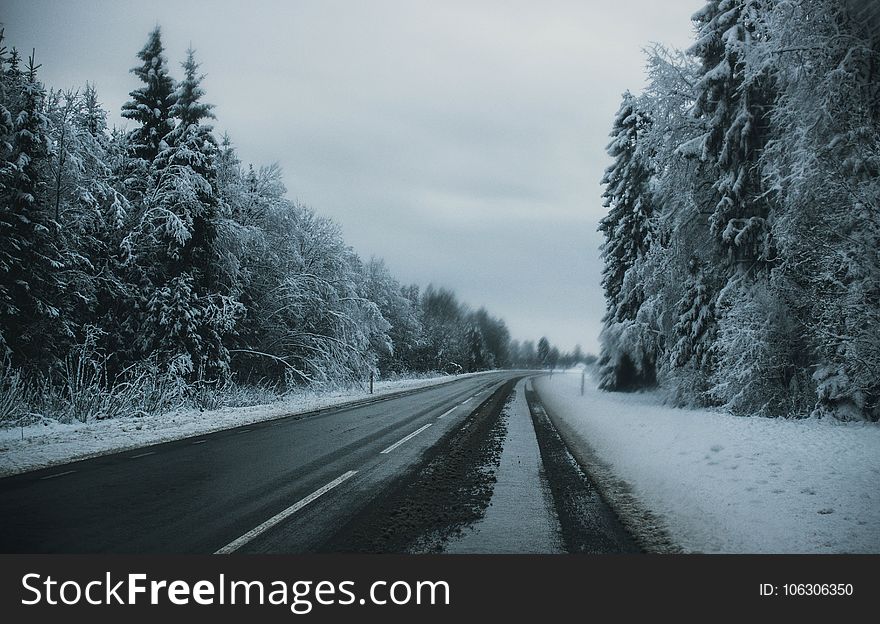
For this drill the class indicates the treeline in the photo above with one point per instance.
(154, 254)
(742, 242)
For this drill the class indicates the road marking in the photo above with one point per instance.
(244, 430)
(279, 517)
(57, 474)
(199, 441)
(142, 455)
(467, 400)
(448, 412)
(409, 437)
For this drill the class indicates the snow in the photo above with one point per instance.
(521, 517)
(727, 484)
(50, 443)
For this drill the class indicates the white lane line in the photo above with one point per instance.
(57, 474)
(244, 430)
(448, 412)
(199, 441)
(409, 437)
(142, 455)
(467, 400)
(279, 517)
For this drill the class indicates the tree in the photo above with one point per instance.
(405, 332)
(189, 309)
(151, 104)
(543, 352)
(734, 99)
(88, 205)
(627, 227)
(33, 323)
(628, 360)
(445, 338)
(824, 159)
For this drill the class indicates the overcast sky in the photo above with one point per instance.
(461, 141)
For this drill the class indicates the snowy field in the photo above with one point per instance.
(49, 443)
(726, 484)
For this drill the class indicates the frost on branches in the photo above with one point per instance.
(761, 286)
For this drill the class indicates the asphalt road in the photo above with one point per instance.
(279, 486)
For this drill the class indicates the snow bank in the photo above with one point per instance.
(50, 443)
(725, 484)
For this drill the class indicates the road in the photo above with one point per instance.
(280, 486)
(417, 471)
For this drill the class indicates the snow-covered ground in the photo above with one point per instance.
(49, 443)
(520, 517)
(727, 484)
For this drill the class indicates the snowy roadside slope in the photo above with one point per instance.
(725, 484)
(42, 445)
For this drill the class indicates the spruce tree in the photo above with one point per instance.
(189, 308)
(32, 258)
(734, 103)
(627, 226)
(192, 152)
(628, 237)
(151, 104)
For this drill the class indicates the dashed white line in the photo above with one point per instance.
(142, 455)
(57, 474)
(244, 431)
(409, 437)
(279, 517)
(467, 400)
(199, 441)
(448, 412)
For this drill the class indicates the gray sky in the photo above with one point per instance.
(461, 141)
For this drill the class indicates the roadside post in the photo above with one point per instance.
(583, 374)
(371, 382)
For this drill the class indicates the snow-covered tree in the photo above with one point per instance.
(693, 353)
(87, 203)
(734, 98)
(543, 351)
(824, 160)
(395, 350)
(189, 309)
(445, 331)
(150, 105)
(628, 236)
(33, 323)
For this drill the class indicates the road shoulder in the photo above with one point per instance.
(645, 527)
(521, 517)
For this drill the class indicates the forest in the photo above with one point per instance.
(147, 267)
(742, 239)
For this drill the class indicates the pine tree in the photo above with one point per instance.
(192, 152)
(151, 104)
(628, 237)
(734, 100)
(626, 227)
(693, 354)
(32, 320)
(187, 323)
